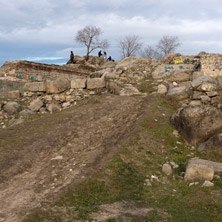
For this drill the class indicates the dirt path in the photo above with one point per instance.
(41, 157)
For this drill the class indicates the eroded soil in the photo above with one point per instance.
(41, 157)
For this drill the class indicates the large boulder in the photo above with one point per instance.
(35, 87)
(212, 144)
(197, 123)
(57, 86)
(178, 93)
(11, 108)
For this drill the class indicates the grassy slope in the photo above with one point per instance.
(122, 179)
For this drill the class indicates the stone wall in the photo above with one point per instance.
(211, 65)
(7, 85)
(40, 72)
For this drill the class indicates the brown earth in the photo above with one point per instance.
(42, 156)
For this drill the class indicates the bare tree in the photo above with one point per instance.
(168, 44)
(89, 36)
(129, 46)
(149, 51)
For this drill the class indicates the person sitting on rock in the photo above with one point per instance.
(100, 53)
(71, 57)
(109, 58)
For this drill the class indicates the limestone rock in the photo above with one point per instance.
(53, 107)
(197, 74)
(78, 83)
(14, 94)
(178, 93)
(201, 79)
(167, 169)
(215, 165)
(212, 144)
(208, 184)
(212, 93)
(66, 105)
(186, 83)
(195, 103)
(35, 87)
(216, 100)
(11, 108)
(129, 90)
(197, 123)
(96, 83)
(26, 112)
(205, 99)
(47, 98)
(60, 97)
(162, 89)
(198, 172)
(35, 105)
(57, 86)
(196, 95)
(207, 87)
(180, 76)
(113, 87)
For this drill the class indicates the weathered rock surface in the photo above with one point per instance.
(215, 165)
(26, 112)
(207, 87)
(35, 87)
(78, 83)
(197, 123)
(180, 76)
(198, 81)
(129, 90)
(162, 89)
(14, 94)
(167, 169)
(96, 83)
(178, 93)
(11, 108)
(53, 107)
(212, 144)
(199, 172)
(57, 86)
(35, 105)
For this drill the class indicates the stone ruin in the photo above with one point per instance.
(194, 82)
(188, 80)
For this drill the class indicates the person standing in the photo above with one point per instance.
(105, 55)
(71, 57)
(99, 53)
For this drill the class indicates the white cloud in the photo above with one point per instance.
(53, 22)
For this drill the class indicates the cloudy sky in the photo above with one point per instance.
(44, 30)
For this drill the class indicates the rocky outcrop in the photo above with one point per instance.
(197, 123)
